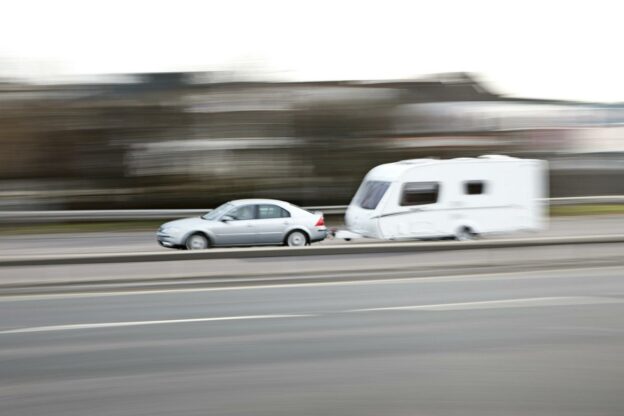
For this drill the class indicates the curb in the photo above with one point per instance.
(191, 282)
(262, 252)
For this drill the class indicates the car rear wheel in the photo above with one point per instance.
(196, 242)
(296, 239)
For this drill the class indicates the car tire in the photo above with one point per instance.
(197, 241)
(296, 239)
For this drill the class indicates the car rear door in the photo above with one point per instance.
(272, 223)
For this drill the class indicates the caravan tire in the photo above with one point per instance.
(465, 234)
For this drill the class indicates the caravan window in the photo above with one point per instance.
(371, 193)
(474, 188)
(420, 193)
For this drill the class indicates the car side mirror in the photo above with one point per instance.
(226, 218)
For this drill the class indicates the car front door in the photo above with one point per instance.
(272, 223)
(238, 227)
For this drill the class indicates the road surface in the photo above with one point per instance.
(528, 343)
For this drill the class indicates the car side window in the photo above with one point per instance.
(271, 211)
(245, 212)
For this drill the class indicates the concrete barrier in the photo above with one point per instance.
(264, 252)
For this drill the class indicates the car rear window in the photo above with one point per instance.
(371, 193)
(271, 211)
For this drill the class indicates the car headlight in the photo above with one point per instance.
(171, 230)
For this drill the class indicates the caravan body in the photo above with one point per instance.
(431, 198)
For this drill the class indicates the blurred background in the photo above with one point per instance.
(172, 140)
(195, 110)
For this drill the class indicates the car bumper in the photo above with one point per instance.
(166, 240)
(318, 235)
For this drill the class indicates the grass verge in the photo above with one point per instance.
(602, 209)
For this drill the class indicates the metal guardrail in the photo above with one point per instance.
(124, 214)
(163, 214)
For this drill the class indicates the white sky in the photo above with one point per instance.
(541, 49)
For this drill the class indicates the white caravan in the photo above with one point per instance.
(461, 198)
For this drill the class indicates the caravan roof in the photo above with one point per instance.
(392, 171)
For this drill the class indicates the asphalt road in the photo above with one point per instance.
(530, 343)
(125, 242)
(288, 268)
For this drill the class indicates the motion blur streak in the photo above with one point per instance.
(490, 304)
(564, 353)
(195, 140)
(496, 304)
(70, 327)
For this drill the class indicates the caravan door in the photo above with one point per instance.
(416, 215)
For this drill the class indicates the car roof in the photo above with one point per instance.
(259, 201)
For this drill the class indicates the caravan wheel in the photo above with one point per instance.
(465, 234)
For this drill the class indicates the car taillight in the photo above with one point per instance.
(320, 222)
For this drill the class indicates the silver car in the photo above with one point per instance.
(245, 222)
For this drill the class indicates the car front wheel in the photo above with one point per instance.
(196, 242)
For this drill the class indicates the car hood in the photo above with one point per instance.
(186, 223)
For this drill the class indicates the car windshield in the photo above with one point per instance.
(217, 212)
